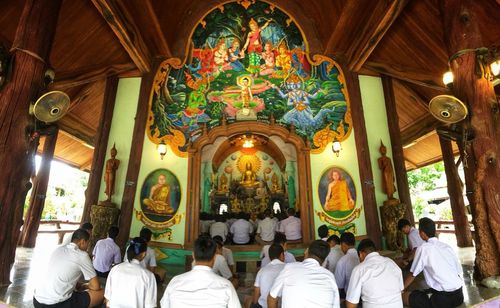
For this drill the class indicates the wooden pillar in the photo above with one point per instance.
(31, 49)
(102, 136)
(397, 146)
(39, 191)
(462, 228)
(462, 32)
(141, 116)
(363, 153)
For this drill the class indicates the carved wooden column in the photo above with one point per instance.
(31, 49)
(101, 145)
(397, 146)
(462, 228)
(39, 191)
(462, 32)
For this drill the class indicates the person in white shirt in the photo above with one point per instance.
(323, 232)
(335, 253)
(206, 221)
(66, 266)
(347, 262)
(266, 229)
(128, 283)
(291, 226)
(226, 252)
(266, 276)
(106, 253)
(307, 283)
(441, 268)
(201, 287)
(414, 239)
(377, 280)
(279, 239)
(219, 228)
(85, 226)
(241, 230)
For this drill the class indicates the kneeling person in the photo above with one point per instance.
(266, 275)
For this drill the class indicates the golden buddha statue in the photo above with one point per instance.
(249, 177)
(159, 197)
(275, 187)
(223, 184)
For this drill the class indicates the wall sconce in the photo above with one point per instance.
(336, 147)
(495, 68)
(448, 79)
(162, 149)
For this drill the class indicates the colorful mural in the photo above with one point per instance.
(248, 61)
(337, 195)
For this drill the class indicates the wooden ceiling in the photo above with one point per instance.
(399, 38)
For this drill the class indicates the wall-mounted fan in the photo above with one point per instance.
(51, 106)
(448, 109)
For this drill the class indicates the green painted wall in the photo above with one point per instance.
(122, 128)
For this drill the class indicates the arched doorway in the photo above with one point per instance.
(222, 141)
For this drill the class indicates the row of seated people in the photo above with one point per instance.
(241, 229)
(357, 275)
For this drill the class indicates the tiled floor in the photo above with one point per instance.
(31, 265)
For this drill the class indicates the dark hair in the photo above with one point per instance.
(80, 234)
(241, 215)
(279, 238)
(366, 246)
(334, 238)
(113, 232)
(219, 218)
(204, 248)
(403, 222)
(136, 247)
(322, 231)
(267, 213)
(320, 249)
(218, 238)
(427, 226)
(275, 251)
(348, 238)
(291, 211)
(87, 226)
(146, 234)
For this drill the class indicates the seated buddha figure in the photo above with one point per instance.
(159, 197)
(249, 177)
(223, 184)
(276, 187)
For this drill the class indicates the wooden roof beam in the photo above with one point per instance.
(420, 128)
(125, 29)
(162, 45)
(84, 135)
(373, 32)
(91, 74)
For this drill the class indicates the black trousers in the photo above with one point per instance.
(438, 299)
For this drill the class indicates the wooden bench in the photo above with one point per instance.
(58, 231)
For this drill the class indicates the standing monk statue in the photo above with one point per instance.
(109, 177)
(385, 164)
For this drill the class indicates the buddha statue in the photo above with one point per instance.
(223, 187)
(261, 195)
(249, 177)
(275, 187)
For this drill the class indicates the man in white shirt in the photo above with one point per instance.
(442, 272)
(201, 287)
(241, 230)
(226, 252)
(66, 266)
(335, 253)
(323, 232)
(219, 228)
(279, 239)
(377, 280)
(291, 226)
(266, 229)
(85, 226)
(206, 221)
(414, 239)
(347, 262)
(266, 276)
(307, 283)
(106, 253)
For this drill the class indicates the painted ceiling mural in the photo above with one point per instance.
(248, 60)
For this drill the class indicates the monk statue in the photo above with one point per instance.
(159, 197)
(109, 176)
(385, 164)
(249, 177)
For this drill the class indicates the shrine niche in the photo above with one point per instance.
(248, 61)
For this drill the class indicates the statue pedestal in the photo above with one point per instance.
(102, 217)
(391, 214)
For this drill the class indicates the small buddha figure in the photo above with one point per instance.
(249, 177)
(276, 187)
(112, 165)
(159, 197)
(223, 184)
(385, 164)
(261, 194)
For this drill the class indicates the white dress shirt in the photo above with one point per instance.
(66, 266)
(205, 225)
(220, 229)
(333, 258)
(130, 285)
(241, 230)
(221, 267)
(148, 261)
(440, 265)
(228, 254)
(265, 279)
(414, 239)
(267, 228)
(344, 268)
(105, 253)
(200, 287)
(306, 285)
(292, 227)
(378, 281)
